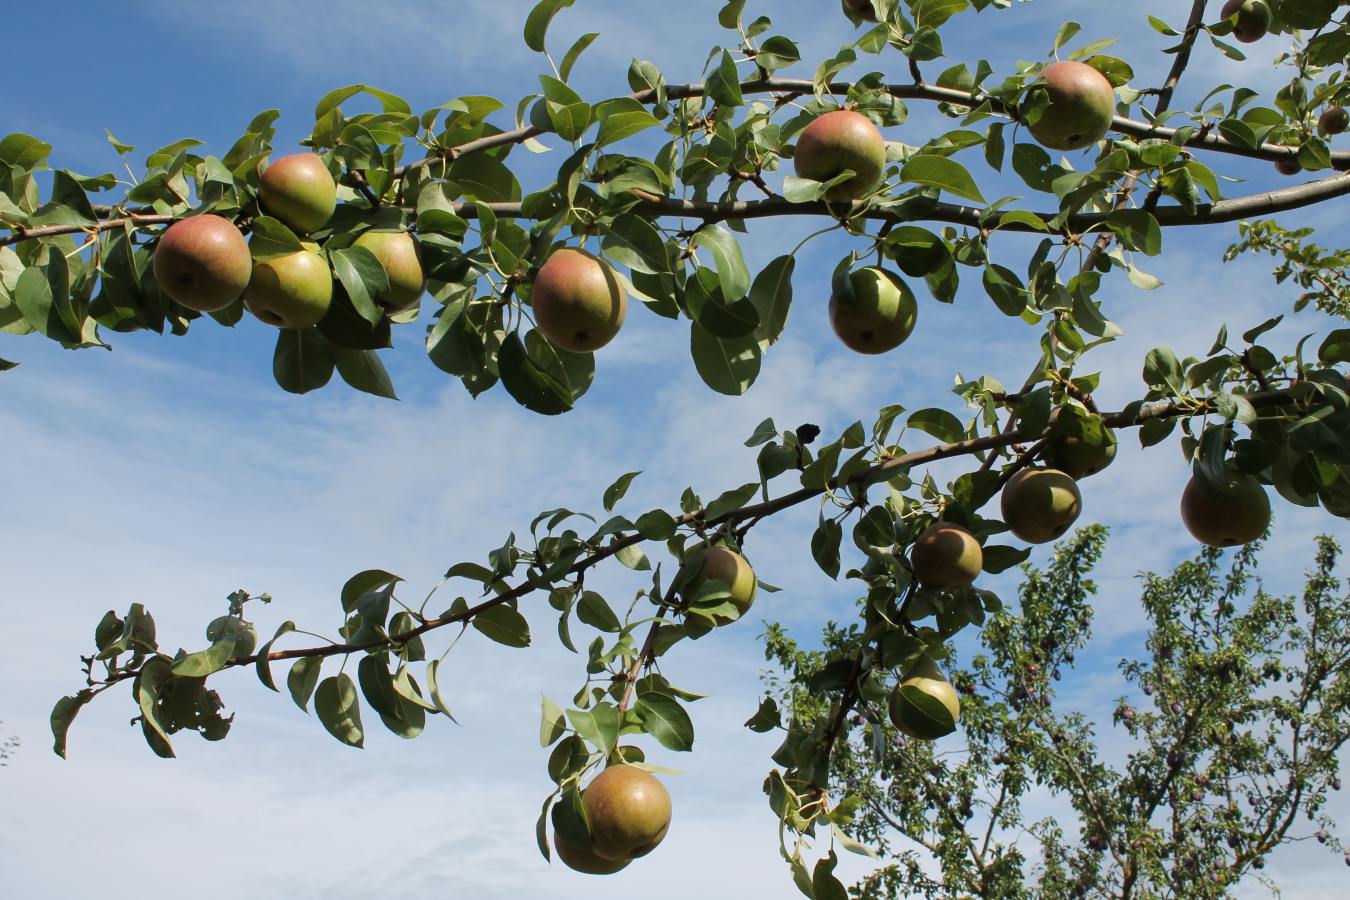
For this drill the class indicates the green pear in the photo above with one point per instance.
(729, 568)
(1225, 518)
(398, 254)
(1333, 120)
(924, 704)
(839, 140)
(1082, 107)
(291, 291)
(946, 557)
(1039, 505)
(628, 811)
(1253, 19)
(877, 314)
(1071, 454)
(578, 303)
(202, 263)
(585, 860)
(299, 190)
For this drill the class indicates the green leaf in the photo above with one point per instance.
(204, 662)
(363, 370)
(536, 25)
(1138, 230)
(47, 313)
(303, 360)
(528, 382)
(657, 525)
(599, 725)
(732, 273)
(940, 172)
(574, 53)
(1005, 289)
(825, 546)
(63, 714)
(771, 295)
(1336, 347)
(304, 675)
(634, 242)
(614, 493)
(622, 118)
(339, 709)
(263, 665)
(147, 689)
(595, 612)
(823, 883)
(724, 83)
(939, 423)
(666, 720)
(633, 557)
(552, 725)
(503, 625)
(727, 365)
(364, 279)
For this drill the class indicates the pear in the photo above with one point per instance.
(729, 568)
(1082, 107)
(877, 315)
(1039, 505)
(1334, 120)
(924, 704)
(1225, 518)
(293, 290)
(578, 303)
(1071, 454)
(946, 557)
(399, 257)
(628, 811)
(838, 140)
(299, 190)
(585, 860)
(202, 262)
(1253, 19)
(862, 9)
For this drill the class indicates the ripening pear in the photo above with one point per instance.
(578, 303)
(291, 291)
(628, 811)
(1225, 518)
(1039, 505)
(924, 704)
(838, 140)
(1288, 165)
(202, 262)
(877, 314)
(1082, 107)
(299, 190)
(730, 568)
(1075, 457)
(585, 860)
(1334, 120)
(946, 557)
(398, 255)
(1253, 19)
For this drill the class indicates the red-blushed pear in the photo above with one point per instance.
(585, 860)
(1074, 456)
(399, 257)
(291, 291)
(1039, 505)
(1253, 19)
(202, 263)
(946, 557)
(1333, 120)
(1082, 106)
(924, 704)
(578, 303)
(862, 9)
(877, 314)
(838, 140)
(1288, 165)
(1236, 515)
(299, 191)
(729, 568)
(628, 811)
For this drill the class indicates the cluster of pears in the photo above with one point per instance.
(203, 263)
(627, 811)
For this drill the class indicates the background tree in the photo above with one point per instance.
(1249, 416)
(1223, 747)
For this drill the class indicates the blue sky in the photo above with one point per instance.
(171, 471)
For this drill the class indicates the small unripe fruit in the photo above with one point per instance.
(299, 191)
(1082, 107)
(1226, 517)
(838, 140)
(1253, 19)
(1039, 505)
(877, 314)
(729, 568)
(1288, 165)
(578, 303)
(1333, 120)
(628, 811)
(202, 263)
